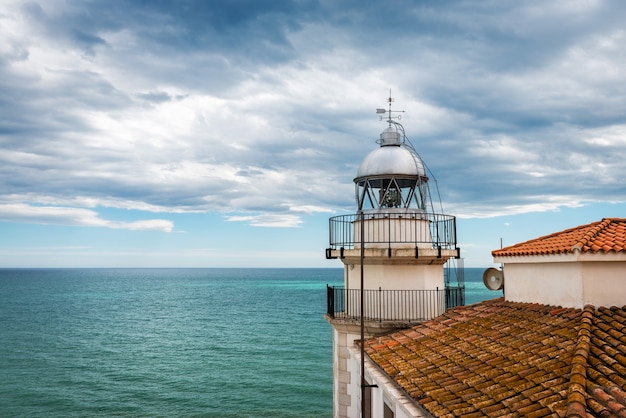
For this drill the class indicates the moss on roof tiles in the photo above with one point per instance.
(515, 358)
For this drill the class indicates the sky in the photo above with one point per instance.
(226, 133)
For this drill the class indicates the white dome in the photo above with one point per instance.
(391, 160)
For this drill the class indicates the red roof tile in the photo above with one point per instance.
(500, 358)
(607, 235)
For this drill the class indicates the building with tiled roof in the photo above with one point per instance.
(512, 357)
(574, 267)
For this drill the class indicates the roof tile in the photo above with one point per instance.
(500, 358)
(607, 235)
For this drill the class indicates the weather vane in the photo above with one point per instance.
(389, 116)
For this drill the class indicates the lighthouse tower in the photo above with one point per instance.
(393, 249)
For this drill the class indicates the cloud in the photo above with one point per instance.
(53, 215)
(309, 209)
(268, 220)
(255, 107)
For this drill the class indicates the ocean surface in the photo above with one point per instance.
(170, 342)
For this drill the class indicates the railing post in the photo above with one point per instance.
(453, 220)
(330, 301)
(389, 235)
(380, 296)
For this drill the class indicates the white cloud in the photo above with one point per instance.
(544, 204)
(268, 220)
(54, 215)
(512, 112)
(309, 209)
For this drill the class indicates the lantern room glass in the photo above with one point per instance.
(385, 193)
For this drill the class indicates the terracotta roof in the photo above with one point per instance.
(510, 359)
(606, 236)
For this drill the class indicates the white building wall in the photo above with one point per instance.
(343, 377)
(387, 391)
(558, 284)
(604, 284)
(395, 232)
(568, 280)
(354, 388)
(396, 276)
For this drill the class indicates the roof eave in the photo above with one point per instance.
(536, 258)
(569, 257)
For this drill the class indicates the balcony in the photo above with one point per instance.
(392, 228)
(408, 306)
(397, 232)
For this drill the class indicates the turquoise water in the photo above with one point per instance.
(169, 342)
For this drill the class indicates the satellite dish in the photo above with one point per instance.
(493, 278)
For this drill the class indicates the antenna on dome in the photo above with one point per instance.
(389, 116)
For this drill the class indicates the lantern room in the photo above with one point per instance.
(392, 177)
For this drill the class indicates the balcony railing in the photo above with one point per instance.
(391, 229)
(392, 305)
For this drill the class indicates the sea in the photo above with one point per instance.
(233, 342)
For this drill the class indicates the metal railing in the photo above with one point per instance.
(389, 229)
(392, 305)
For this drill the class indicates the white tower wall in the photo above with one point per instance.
(395, 276)
(395, 231)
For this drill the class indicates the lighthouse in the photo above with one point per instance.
(395, 251)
